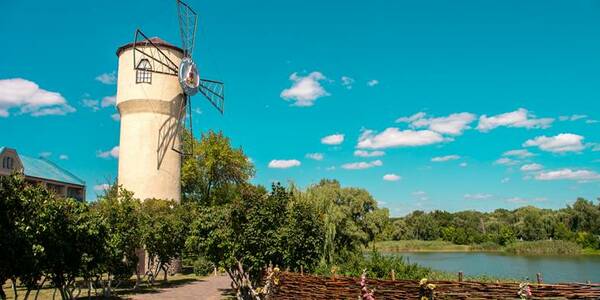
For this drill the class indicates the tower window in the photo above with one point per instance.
(143, 72)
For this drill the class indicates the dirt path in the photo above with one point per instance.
(211, 288)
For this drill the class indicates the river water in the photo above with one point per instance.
(580, 268)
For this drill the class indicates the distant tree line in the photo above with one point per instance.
(579, 222)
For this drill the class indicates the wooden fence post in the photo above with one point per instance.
(539, 278)
(301, 270)
(460, 276)
(393, 275)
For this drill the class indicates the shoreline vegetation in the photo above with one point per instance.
(547, 247)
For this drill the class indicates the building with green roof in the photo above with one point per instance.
(42, 171)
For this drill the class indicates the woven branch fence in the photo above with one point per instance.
(296, 286)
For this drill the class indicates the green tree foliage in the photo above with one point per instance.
(212, 174)
(163, 231)
(579, 222)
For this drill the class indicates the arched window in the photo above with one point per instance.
(142, 73)
(7, 163)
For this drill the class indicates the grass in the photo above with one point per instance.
(550, 247)
(431, 246)
(125, 290)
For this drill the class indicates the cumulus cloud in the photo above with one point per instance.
(572, 117)
(531, 167)
(463, 164)
(283, 163)
(478, 196)
(29, 98)
(334, 139)
(63, 157)
(519, 200)
(568, 174)
(520, 153)
(107, 78)
(506, 161)
(108, 101)
(362, 165)
(453, 124)
(315, 156)
(518, 118)
(112, 153)
(305, 90)
(101, 187)
(91, 103)
(373, 82)
(564, 142)
(45, 154)
(347, 82)
(394, 137)
(363, 153)
(391, 177)
(445, 158)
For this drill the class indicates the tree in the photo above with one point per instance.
(163, 233)
(121, 213)
(216, 169)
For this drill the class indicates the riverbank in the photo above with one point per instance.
(549, 247)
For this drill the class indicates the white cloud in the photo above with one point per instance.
(115, 117)
(568, 174)
(45, 154)
(283, 163)
(101, 187)
(478, 196)
(564, 142)
(518, 118)
(572, 117)
(591, 121)
(531, 167)
(114, 153)
(393, 137)
(463, 164)
(334, 139)
(505, 180)
(520, 153)
(63, 157)
(453, 124)
(347, 82)
(315, 156)
(305, 90)
(363, 153)
(362, 165)
(330, 168)
(519, 200)
(506, 161)
(91, 103)
(445, 158)
(108, 101)
(373, 82)
(29, 98)
(421, 195)
(107, 78)
(391, 177)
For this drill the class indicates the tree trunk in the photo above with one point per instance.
(14, 287)
(165, 271)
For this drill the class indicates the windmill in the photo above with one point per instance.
(187, 73)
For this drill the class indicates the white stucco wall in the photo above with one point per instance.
(147, 164)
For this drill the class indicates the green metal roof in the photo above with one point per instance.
(43, 168)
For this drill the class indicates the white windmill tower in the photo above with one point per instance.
(155, 82)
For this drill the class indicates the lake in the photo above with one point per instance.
(554, 269)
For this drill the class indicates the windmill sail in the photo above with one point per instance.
(187, 26)
(146, 48)
(214, 91)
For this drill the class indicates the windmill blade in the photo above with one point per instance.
(188, 20)
(214, 91)
(145, 49)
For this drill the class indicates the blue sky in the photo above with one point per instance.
(437, 92)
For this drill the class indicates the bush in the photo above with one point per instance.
(547, 247)
(202, 266)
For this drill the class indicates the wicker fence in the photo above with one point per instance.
(296, 286)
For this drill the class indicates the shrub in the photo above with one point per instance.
(202, 266)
